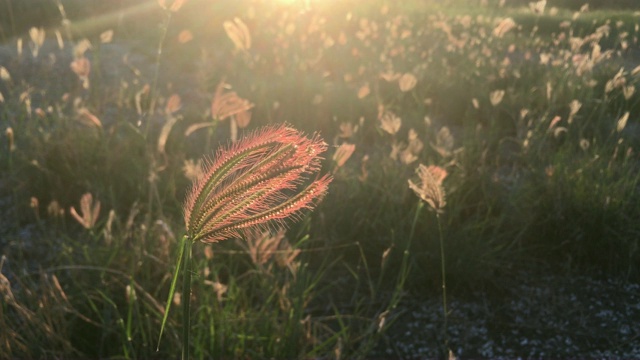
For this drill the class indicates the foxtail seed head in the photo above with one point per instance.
(430, 189)
(259, 180)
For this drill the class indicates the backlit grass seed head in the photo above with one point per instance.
(172, 6)
(89, 209)
(504, 27)
(390, 123)
(239, 33)
(430, 188)
(255, 182)
(4, 74)
(226, 104)
(9, 134)
(407, 82)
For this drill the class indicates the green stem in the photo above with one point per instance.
(415, 221)
(186, 299)
(184, 243)
(404, 267)
(444, 282)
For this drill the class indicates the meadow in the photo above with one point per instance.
(484, 144)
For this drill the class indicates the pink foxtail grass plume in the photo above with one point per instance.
(254, 183)
(261, 181)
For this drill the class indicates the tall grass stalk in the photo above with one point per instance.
(172, 288)
(430, 190)
(186, 297)
(247, 188)
(444, 282)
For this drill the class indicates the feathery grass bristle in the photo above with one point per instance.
(256, 181)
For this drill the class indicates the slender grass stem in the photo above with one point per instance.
(404, 269)
(444, 281)
(186, 299)
(415, 221)
(10, 162)
(185, 242)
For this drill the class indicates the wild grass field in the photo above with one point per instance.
(488, 145)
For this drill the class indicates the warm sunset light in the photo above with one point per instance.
(319, 179)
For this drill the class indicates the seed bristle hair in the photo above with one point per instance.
(255, 182)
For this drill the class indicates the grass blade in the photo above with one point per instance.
(172, 290)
